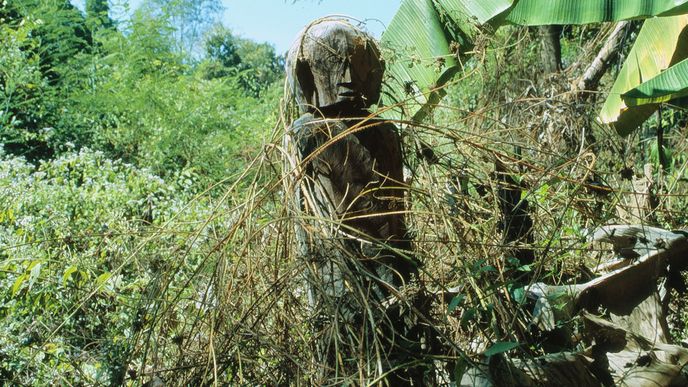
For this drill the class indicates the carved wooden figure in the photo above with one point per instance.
(349, 202)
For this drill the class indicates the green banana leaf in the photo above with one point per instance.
(482, 12)
(546, 12)
(421, 45)
(543, 12)
(661, 43)
(669, 84)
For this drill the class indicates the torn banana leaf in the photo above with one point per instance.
(423, 44)
(670, 84)
(661, 43)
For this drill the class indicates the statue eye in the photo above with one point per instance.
(304, 75)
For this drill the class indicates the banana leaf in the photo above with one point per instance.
(661, 43)
(481, 12)
(421, 47)
(669, 84)
(543, 12)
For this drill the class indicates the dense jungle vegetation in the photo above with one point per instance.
(118, 141)
(144, 234)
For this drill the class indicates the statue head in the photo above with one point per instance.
(334, 67)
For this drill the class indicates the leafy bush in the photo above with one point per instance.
(81, 239)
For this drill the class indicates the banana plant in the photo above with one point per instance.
(430, 40)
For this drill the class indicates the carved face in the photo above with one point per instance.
(334, 66)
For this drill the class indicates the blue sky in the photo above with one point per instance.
(278, 21)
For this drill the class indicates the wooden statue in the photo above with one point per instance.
(349, 205)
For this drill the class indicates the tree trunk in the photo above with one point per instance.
(550, 48)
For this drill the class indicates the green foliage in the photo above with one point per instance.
(155, 113)
(532, 12)
(659, 45)
(44, 44)
(500, 347)
(92, 240)
(98, 12)
(76, 257)
(423, 43)
(21, 84)
(132, 95)
(61, 34)
(255, 65)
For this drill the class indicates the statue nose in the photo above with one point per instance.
(346, 75)
(346, 86)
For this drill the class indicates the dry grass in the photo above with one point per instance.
(244, 318)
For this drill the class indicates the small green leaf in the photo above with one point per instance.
(519, 295)
(468, 316)
(455, 302)
(481, 266)
(16, 287)
(459, 369)
(103, 278)
(513, 261)
(500, 347)
(35, 272)
(68, 273)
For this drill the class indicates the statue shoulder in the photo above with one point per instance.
(301, 122)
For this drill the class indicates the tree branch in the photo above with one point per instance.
(591, 78)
